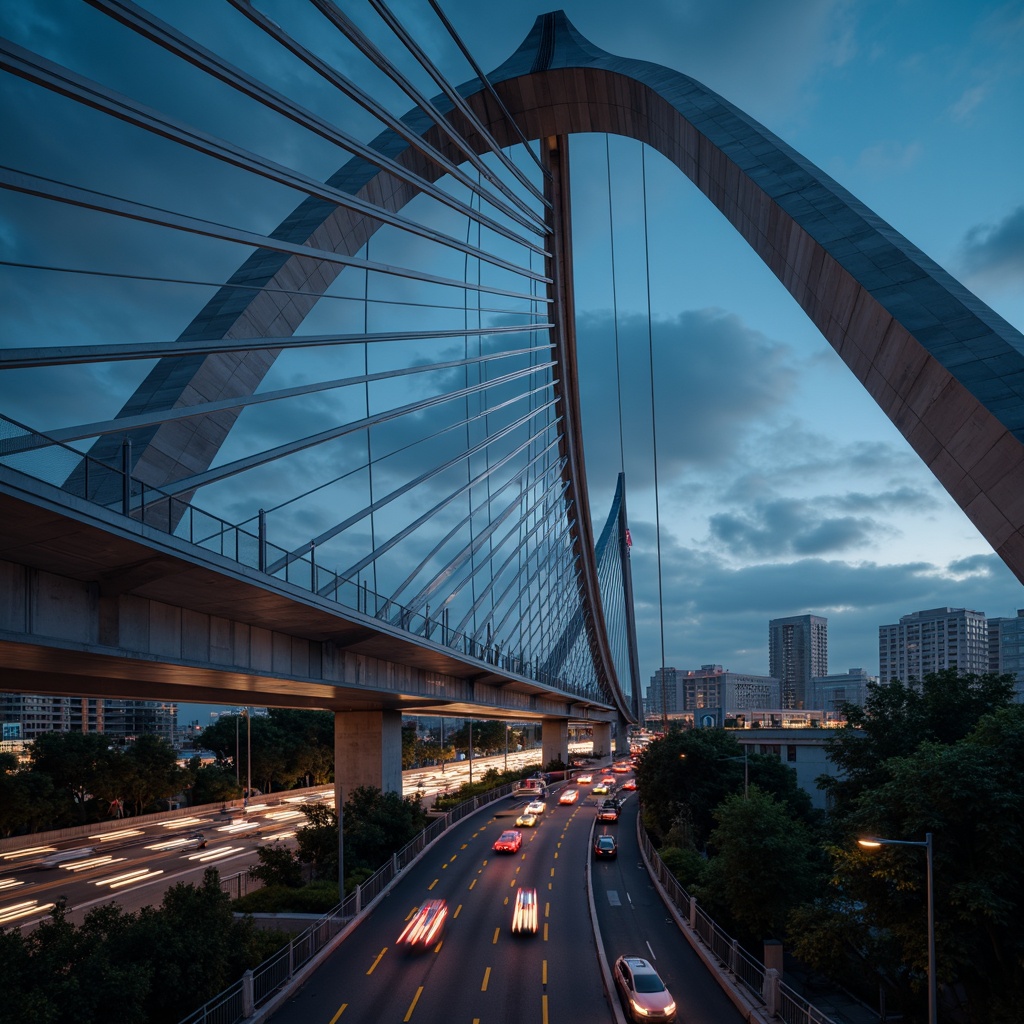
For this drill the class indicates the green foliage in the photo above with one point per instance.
(763, 864)
(379, 824)
(319, 897)
(898, 717)
(213, 783)
(685, 775)
(318, 840)
(288, 747)
(277, 866)
(153, 967)
(945, 756)
(687, 866)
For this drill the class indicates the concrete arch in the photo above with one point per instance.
(945, 368)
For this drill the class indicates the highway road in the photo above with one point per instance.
(134, 865)
(478, 972)
(137, 863)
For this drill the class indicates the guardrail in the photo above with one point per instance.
(766, 987)
(259, 985)
(113, 488)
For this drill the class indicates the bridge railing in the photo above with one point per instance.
(258, 985)
(763, 984)
(115, 489)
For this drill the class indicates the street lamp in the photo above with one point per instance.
(874, 843)
(248, 754)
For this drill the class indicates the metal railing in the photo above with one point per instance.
(763, 984)
(258, 985)
(80, 475)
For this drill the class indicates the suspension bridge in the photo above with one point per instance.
(356, 479)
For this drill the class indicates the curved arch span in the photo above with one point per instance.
(945, 368)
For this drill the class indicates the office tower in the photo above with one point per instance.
(1006, 648)
(797, 651)
(932, 640)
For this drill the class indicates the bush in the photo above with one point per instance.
(318, 897)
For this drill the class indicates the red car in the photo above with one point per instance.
(508, 842)
(629, 784)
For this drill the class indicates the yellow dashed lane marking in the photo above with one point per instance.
(380, 956)
(341, 1010)
(412, 1005)
(487, 978)
(497, 932)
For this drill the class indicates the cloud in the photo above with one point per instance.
(994, 253)
(968, 102)
(788, 527)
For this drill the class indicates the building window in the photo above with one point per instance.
(791, 752)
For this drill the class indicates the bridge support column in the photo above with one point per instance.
(367, 752)
(602, 739)
(554, 741)
(621, 738)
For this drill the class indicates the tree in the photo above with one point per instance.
(213, 783)
(970, 795)
(378, 824)
(74, 761)
(317, 840)
(898, 717)
(685, 775)
(763, 863)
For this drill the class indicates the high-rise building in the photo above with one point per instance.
(797, 652)
(663, 696)
(933, 640)
(830, 693)
(121, 719)
(1006, 648)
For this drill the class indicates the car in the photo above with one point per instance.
(643, 992)
(524, 912)
(608, 780)
(585, 780)
(600, 789)
(194, 841)
(526, 820)
(425, 925)
(508, 842)
(569, 796)
(63, 856)
(608, 811)
(629, 784)
(605, 847)
(621, 769)
(536, 807)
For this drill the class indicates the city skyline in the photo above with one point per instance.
(782, 489)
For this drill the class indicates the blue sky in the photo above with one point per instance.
(782, 488)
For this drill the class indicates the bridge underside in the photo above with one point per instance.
(88, 610)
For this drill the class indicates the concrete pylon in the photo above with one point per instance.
(554, 738)
(602, 739)
(367, 752)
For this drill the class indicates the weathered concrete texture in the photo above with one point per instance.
(67, 636)
(554, 741)
(602, 739)
(945, 368)
(367, 752)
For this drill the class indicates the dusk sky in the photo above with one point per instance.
(782, 488)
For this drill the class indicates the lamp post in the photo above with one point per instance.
(873, 843)
(506, 746)
(248, 756)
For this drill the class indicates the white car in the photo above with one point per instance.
(536, 807)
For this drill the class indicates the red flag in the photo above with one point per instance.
(629, 538)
